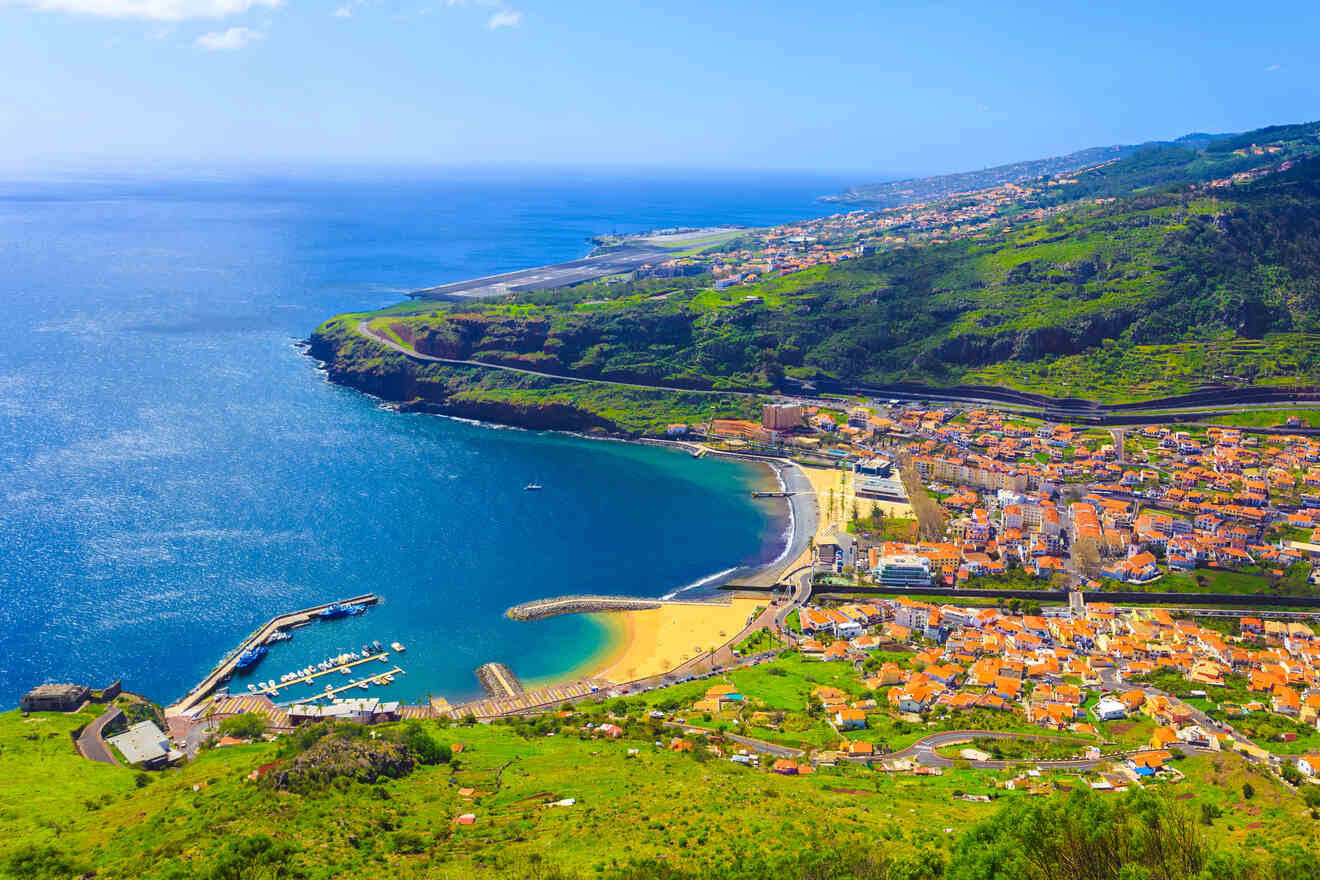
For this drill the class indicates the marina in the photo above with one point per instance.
(259, 639)
(359, 684)
(273, 688)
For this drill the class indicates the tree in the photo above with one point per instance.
(1087, 553)
(1248, 791)
(249, 725)
(423, 745)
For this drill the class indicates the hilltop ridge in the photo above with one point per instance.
(1171, 270)
(892, 194)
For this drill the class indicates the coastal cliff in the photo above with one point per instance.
(516, 399)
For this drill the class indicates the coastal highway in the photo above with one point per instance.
(599, 265)
(1231, 400)
(418, 356)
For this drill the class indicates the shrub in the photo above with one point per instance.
(32, 862)
(256, 858)
(424, 747)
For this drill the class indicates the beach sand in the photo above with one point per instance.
(656, 640)
(832, 480)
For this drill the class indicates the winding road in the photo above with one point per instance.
(91, 745)
(430, 358)
(1229, 400)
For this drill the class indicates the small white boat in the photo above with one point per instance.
(253, 688)
(398, 647)
(533, 487)
(362, 684)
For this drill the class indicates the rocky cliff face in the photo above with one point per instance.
(359, 363)
(355, 361)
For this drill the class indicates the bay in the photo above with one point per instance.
(173, 470)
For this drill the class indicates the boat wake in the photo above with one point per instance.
(703, 582)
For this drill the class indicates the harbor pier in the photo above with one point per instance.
(225, 668)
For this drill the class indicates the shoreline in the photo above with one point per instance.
(626, 630)
(657, 641)
(618, 639)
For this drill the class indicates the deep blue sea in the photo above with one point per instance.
(173, 470)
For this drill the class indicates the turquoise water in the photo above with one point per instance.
(175, 471)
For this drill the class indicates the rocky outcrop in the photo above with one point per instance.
(533, 416)
(1029, 345)
(335, 757)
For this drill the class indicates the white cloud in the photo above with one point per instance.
(158, 10)
(982, 108)
(1273, 67)
(234, 38)
(343, 12)
(504, 18)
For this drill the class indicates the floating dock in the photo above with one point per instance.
(352, 685)
(307, 679)
(225, 668)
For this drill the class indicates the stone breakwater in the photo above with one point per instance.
(541, 608)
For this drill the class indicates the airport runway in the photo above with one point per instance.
(612, 262)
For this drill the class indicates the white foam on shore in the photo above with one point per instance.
(790, 531)
(702, 582)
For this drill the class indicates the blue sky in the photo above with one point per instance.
(873, 88)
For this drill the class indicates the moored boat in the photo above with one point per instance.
(250, 657)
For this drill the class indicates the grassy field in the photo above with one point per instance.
(1267, 418)
(633, 799)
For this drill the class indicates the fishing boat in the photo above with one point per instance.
(278, 636)
(340, 610)
(250, 657)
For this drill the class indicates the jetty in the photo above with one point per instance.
(307, 679)
(225, 668)
(773, 494)
(540, 608)
(499, 680)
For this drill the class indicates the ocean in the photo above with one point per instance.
(174, 470)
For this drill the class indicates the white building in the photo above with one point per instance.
(903, 570)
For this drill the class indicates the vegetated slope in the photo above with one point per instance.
(318, 810)
(1203, 273)
(904, 192)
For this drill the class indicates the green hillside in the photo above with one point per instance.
(1177, 284)
(902, 192)
(382, 803)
